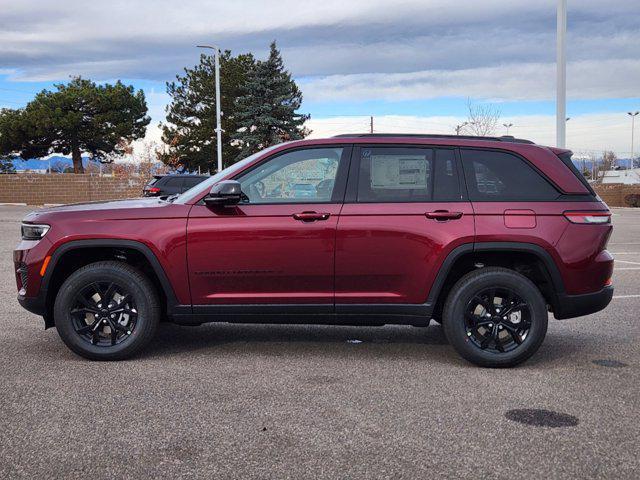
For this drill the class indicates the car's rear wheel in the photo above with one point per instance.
(106, 311)
(495, 317)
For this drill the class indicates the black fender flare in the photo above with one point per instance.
(107, 243)
(532, 248)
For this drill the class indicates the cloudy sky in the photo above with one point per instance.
(411, 64)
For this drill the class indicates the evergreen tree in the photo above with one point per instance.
(189, 132)
(79, 117)
(8, 138)
(267, 107)
(6, 166)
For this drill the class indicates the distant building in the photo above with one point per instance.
(627, 177)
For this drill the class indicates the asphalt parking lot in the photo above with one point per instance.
(262, 401)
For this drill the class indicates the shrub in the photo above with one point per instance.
(632, 200)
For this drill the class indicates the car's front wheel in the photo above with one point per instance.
(106, 311)
(495, 317)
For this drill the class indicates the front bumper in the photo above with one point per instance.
(37, 305)
(33, 304)
(570, 306)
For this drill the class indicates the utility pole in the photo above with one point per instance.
(507, 126)
(218, 129)
(371, 124)
(633, 119)
(561, 70)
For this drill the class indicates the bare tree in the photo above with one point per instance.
(608, 160)
(482, 119)
(125, 149)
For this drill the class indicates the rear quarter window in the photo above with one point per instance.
(172, 182)
(192, 181)
(494, 176)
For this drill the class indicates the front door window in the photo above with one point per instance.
(301, 176)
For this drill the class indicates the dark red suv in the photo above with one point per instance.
(484, 235)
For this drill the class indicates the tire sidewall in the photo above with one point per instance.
(143, 296)
(466, 289)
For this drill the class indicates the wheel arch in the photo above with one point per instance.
(464, 258)
(99, 249)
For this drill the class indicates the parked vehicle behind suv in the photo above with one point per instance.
(482, 234)
(163, 185)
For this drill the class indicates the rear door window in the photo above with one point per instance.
(394, 174)
(494, 176)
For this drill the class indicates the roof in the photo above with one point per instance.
(158, 176)
(628, 177)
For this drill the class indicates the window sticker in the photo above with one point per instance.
(394, 172)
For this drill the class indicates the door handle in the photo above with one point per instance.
(443, 215)
(310, 216)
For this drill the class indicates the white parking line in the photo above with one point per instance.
(625, 253)
(627, 261)
(626, 296)
(625, 268)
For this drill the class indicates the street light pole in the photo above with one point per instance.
(507, 126)
(218, 128)
(561, 70)
(633, 118)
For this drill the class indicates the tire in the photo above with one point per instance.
(93, 330)
(474, 324)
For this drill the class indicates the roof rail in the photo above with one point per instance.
(504, 138)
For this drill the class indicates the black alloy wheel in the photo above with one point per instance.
(495, 317)
(107, 310)
(104, 314)
(497, 320)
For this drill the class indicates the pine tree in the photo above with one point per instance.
(267, 108)
(6, 166)
(189, 132)
(79, 116)
(9, 137)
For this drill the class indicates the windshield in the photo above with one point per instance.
(197, 190)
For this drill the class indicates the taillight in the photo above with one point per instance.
(593, 218)
(153, 190)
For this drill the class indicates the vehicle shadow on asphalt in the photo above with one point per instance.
(391, 340)
(185, 338)
(425, 344)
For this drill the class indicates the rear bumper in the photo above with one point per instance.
(570, 306)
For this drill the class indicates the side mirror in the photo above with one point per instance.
(227, 192)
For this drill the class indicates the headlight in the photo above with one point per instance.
(32, 231)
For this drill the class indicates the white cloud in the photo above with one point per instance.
(586, 134)
(154, 40)
(342, 51)
(525, 81)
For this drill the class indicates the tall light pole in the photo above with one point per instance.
(561, 70)
(218, 128)
(507, 126)
(633, 119)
